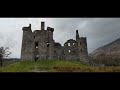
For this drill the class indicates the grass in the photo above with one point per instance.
(55, 66)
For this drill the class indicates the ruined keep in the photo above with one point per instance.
(40, 45)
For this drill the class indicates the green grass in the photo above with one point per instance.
(55, 66)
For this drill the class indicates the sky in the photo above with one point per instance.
(98, 31)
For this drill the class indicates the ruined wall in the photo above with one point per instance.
(70, 50)
(45, 43)
(84, 46)
(40, 45)
(58, 51)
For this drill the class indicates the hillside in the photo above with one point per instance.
(112, 48)
(40, 66)
(55, 66)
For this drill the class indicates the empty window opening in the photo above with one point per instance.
(48, 44)
(81, 50)
(68, 44)
(36, 44)
(54, 51)
(69, 51)
(34, 36)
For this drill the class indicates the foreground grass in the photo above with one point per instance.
(55, 66)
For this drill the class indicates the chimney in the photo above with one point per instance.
(42, 25)
(30, 26)
(77, 35)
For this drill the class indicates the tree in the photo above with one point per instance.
(4, 52)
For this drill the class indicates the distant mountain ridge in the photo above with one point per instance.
(110, 49)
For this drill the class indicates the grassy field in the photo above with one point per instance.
(55, 66)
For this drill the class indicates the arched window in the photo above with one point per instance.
(81, 50)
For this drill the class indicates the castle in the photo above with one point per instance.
(40, 45)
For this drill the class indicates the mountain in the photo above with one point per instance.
(111, 49)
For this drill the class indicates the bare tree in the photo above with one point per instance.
(4, 52)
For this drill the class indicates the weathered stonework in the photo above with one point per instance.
(40, 45)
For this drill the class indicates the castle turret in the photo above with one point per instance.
(27, 40)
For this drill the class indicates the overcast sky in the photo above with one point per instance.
(99, 31)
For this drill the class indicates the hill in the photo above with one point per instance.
(55, 66)
(109, 49)
(109, 52)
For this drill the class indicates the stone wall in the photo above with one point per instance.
(70, 50)
(40, 45)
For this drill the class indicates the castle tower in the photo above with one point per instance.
(82, 47)
(27, 44)
(38, 44)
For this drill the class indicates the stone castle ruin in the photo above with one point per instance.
(40, 45)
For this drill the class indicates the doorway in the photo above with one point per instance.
(36, 58)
